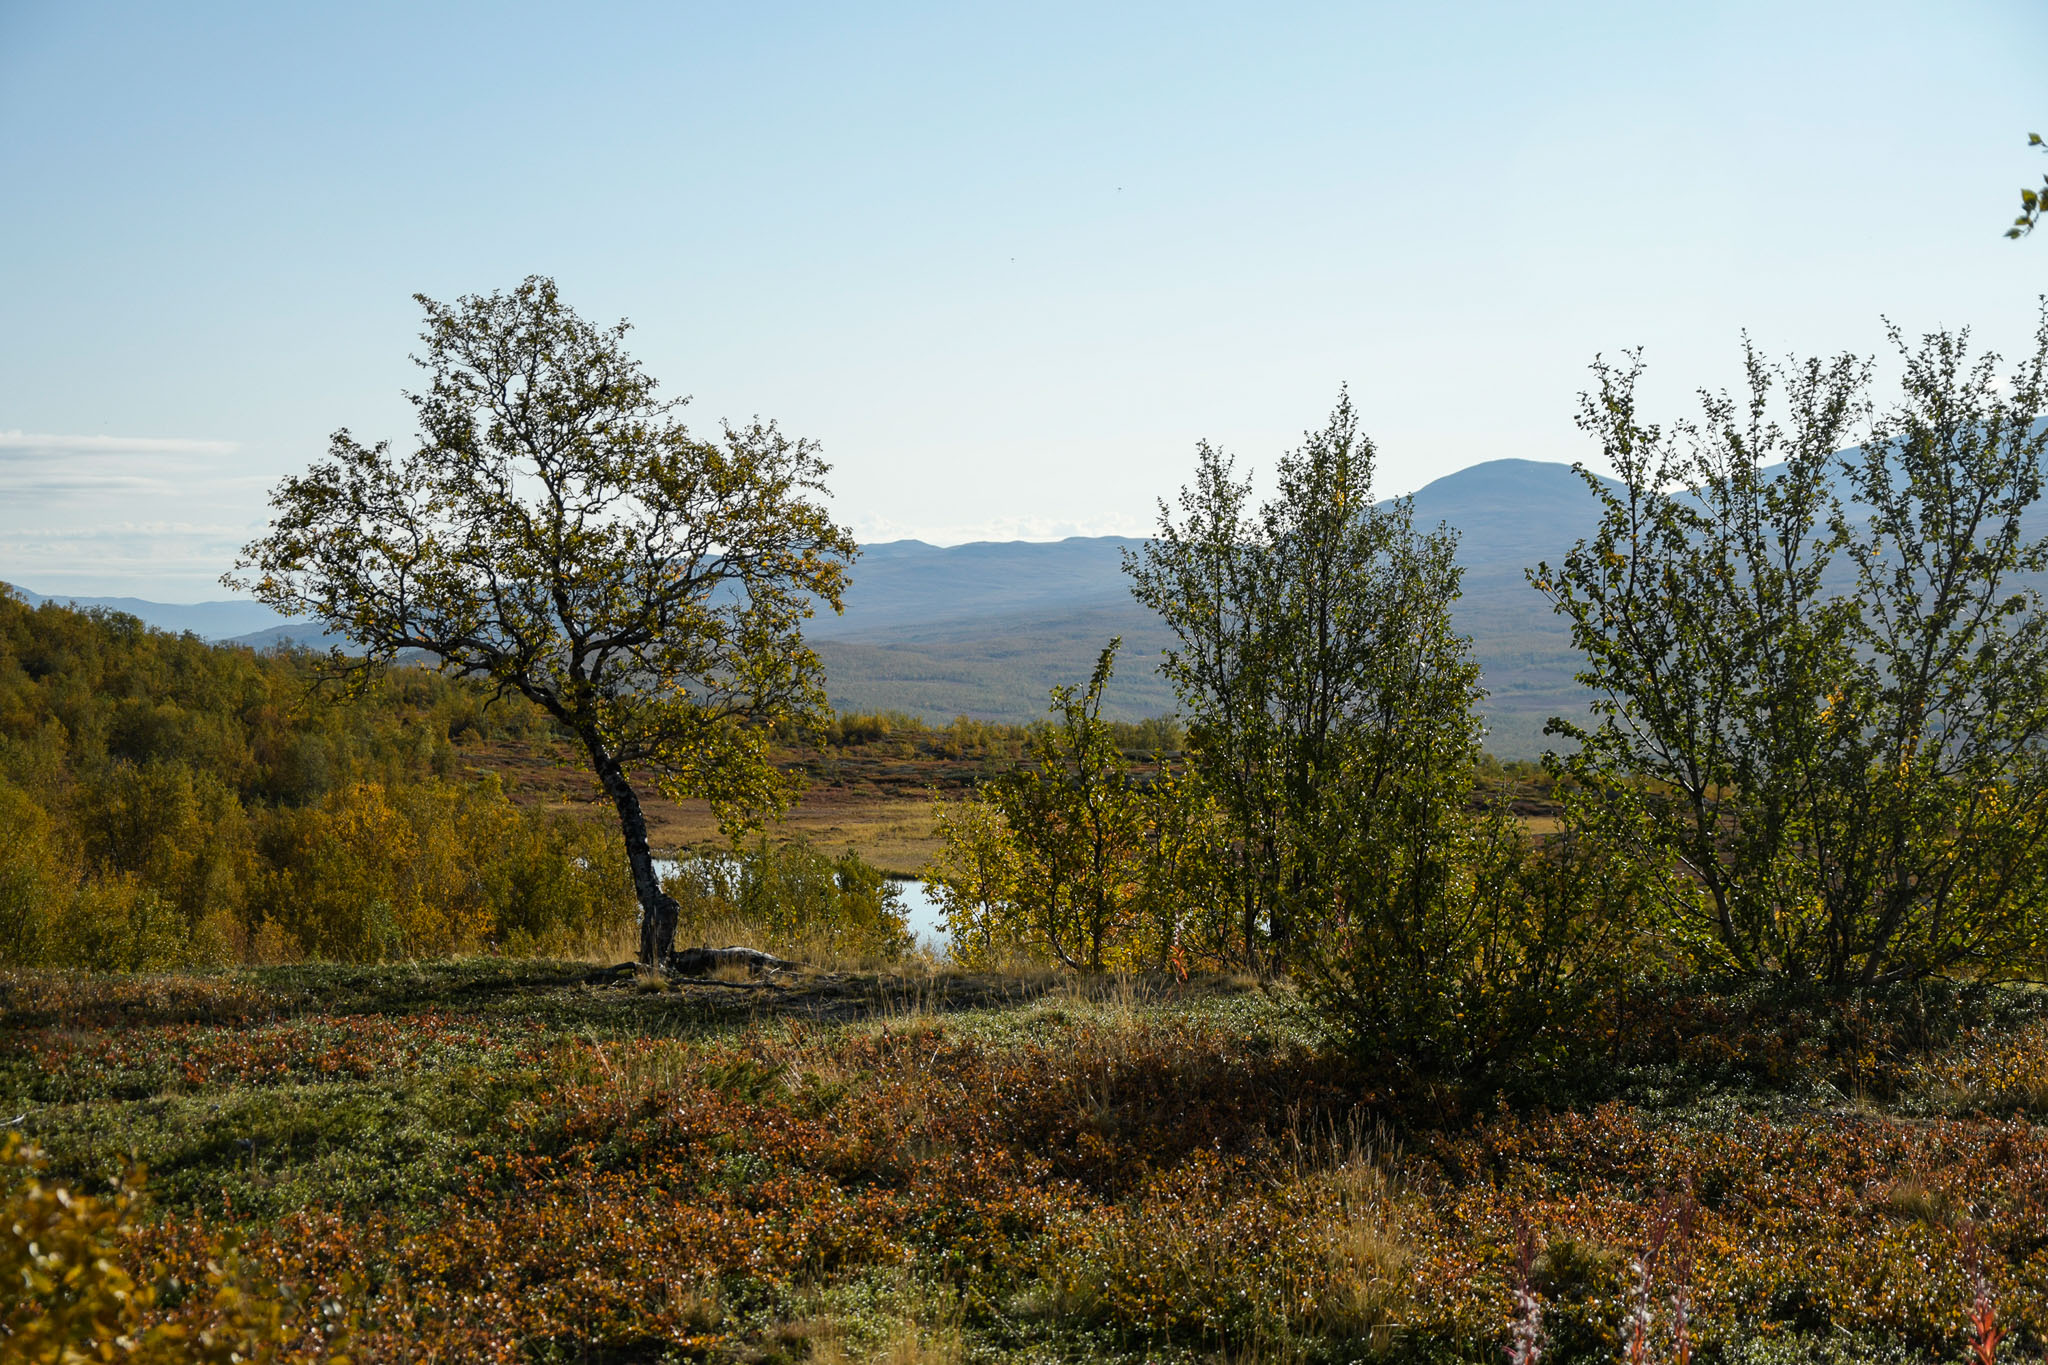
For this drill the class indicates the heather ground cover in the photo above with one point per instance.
(534, 1161)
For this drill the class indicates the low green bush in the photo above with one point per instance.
(793, 898)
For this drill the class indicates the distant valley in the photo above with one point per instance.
(987, 629)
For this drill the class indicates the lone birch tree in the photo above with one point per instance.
(559, 533)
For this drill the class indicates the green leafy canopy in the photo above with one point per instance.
(1818, 685)
(560, 532)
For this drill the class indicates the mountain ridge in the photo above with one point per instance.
(987, 628)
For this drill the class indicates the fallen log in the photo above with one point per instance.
(703, 961)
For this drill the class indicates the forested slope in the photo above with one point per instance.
(167, 802)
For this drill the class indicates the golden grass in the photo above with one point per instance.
(912, 1323)
(1910, 1198)
(897, 834)
(1348, 1167)
(890, 826)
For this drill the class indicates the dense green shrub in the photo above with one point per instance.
(1490, 954)
(1817, 674)
(1333, 725)
(1330, 825)
(1072, 857)
(795, 899)
(1315, 660)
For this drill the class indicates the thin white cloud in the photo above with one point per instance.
(39, 470)
(25, 561)
(19, 444)
(147, 516)
(54, 484)
(117, 530)
(161, 564)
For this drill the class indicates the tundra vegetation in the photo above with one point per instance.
(1277, 1037)
(166, 803)
(1815, 754)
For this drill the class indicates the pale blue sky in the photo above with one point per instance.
(1007, 264)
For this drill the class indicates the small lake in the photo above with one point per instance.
(927, 920)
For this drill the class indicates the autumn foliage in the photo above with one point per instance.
(164, 803)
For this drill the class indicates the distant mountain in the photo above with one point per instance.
(986, 630)
(906, 585)
(1511, 515)
(306, 634)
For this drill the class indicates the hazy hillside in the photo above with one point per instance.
(1000, 667)
(1511, 515)
(987, 629)
(905, 585)
(304, 633)
(209, 620)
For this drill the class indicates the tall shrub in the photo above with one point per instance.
(1817, 672)
(1327, 696)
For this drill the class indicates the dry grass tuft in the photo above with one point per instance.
(1912, 1199)
(1346, 1166)
(926, 1343)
